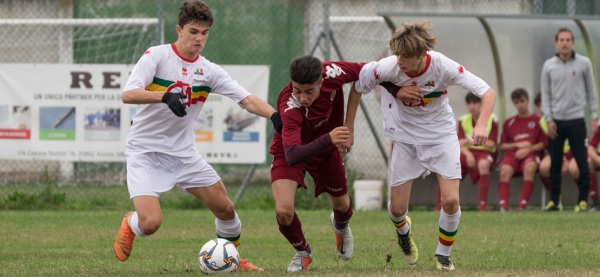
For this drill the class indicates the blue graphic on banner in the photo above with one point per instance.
(240, 136)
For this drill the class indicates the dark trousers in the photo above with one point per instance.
(575, 131)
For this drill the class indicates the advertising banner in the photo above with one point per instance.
(74, 112)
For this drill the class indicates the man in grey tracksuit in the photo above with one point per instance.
(567, 84)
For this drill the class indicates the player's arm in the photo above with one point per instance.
(257, 106)
(351, 110)
(492, 140)
(480, 135)
(298, 153)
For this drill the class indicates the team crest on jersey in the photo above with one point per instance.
(333, 71)
(430, 84)
(531, 124)
(199, 74)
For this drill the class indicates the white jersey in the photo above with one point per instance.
(431, 121)
(155, 127)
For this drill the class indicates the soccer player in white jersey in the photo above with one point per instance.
(171, 83)
(421, 123)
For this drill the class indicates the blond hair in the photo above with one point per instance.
(413, 39)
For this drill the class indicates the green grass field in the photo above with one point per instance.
(79, 243)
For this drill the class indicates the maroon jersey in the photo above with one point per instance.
(303, 125)
(595, 139)
(523, 129)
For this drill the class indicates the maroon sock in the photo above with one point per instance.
(484, 187)
(546, 182)
(342, 218)
(593, 186)
(438, 198)
(293, 233)
(504, 194)
(526, 191)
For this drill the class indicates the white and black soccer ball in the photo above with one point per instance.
(218, 256)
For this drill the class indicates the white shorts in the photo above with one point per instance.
(154, 173)
(410, 161)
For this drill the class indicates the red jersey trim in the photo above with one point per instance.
(424, 69)
(184, 59)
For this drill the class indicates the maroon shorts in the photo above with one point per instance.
(474, 172)
(519, 165)
(327, 171)
(569, 155)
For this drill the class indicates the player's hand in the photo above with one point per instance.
(346, 147)
(552, 130)
(470, 160)
(480, 135)
(339, 135)
(522, 153)
(277, 124)
(524, 144)
(410, 94)
(175, 102)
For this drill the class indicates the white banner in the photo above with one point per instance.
(74, 112)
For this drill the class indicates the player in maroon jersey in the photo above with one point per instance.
(523, 142)
(312, 111)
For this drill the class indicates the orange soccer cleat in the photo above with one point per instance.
(124, 240)
(245, 265)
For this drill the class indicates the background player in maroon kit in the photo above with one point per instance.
(475, 160)
(594, 162)
(523, 142)
(312, 111)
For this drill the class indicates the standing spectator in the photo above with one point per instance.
(567, 84)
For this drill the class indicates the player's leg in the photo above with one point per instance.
(284, 191)
(405, 167)
(507, 170)
(529, 167)
(544, 171)
(448, 222)
(484, 162)
(594, 186)
(148, 175)
(330, 177)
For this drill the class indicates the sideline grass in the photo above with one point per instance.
(79, 243)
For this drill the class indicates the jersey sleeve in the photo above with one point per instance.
(291, 117)
(494, 132)
(373, 73)
(227, 86)
(144, 70)
(595, 139)
(505, 138)
(457, 74)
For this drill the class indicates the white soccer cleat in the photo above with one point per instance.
(301, 260)
(343, 240)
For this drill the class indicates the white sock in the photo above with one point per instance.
(133, 223)
(449, 227)
(400, 222)
(230, 229)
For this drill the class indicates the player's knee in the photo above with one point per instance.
(397, 210)
(149, 224)
(284, 214)
(450, 204)
(505, 174)
(225, 211)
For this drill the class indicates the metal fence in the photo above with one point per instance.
(245, 32)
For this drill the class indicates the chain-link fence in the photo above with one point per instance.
(268, 32)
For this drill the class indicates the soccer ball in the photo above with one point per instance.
(218, 256)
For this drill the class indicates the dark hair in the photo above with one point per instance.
(564, 30)
(306, 69)
(472, 98)
(194, 11)
(537, 100)
(518, 94)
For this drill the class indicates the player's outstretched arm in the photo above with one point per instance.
(487, 107)
(257, 106)
(351, 109)
(141, 96)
